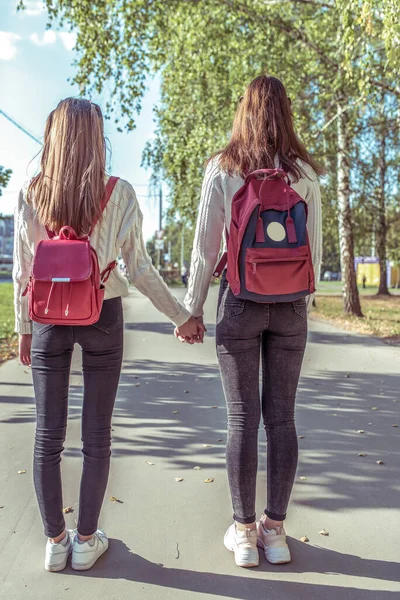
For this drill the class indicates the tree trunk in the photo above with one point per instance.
(351, 296)
(381, 229)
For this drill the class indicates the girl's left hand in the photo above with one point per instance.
(191, 332)
(25, 344)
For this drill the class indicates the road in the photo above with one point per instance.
(166, 536)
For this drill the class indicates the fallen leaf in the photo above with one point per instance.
(375, 408)
(380, 462)
(196, 468)
(178, 479)
(115, 500)
(304, 539)
(362, 454)
(207, 446)
(21, 472)
(209, 480)
(395, 425)
(303, 478)
(149, 463)
(360, 431)
(323, 532)
(68, 509)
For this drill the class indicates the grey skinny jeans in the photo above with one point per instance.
(278, 333)
(52, 348)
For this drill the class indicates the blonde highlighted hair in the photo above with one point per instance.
(70, 186)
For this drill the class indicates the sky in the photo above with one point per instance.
(35, 65)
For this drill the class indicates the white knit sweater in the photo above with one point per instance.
(119, 229)
(214, 219)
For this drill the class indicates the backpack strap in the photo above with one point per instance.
(270, 174)
(221, 265)
(106, 197)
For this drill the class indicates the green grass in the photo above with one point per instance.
(6, 310)
(381, 315)
(8, 339)
(335, 288)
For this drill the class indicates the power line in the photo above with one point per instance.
(21, 127)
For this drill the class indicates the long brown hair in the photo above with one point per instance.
(70, 186)
(262, 130)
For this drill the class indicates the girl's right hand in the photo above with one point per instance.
(25, 344)
(191, 332)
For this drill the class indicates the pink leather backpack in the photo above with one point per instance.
(66, 286)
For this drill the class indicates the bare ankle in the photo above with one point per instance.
(244, 526)
(84, 538)
(59, 538)
(270, 523)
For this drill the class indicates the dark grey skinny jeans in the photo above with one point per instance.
(278, 333)
(52, 348)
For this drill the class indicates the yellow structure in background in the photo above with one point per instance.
(394, 276)
(371, 272)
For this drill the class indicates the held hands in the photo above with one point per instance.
(191, 332)
(25, 343)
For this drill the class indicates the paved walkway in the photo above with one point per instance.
(166, 537)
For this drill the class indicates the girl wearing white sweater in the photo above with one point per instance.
(68, 191)
(263, 137)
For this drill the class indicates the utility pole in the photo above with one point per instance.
(160, 225)
(170, 250)
(160, 215)
(182, 247)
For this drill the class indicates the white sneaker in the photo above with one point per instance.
(85, 554)
(57, 554)
(244, 544)
(273, 541)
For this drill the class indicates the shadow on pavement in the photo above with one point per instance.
(121, 563)
(154, 417)
(333, 338)
(163, 328)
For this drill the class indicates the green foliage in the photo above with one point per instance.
(5, 175)
(332, 55)
(6, 311)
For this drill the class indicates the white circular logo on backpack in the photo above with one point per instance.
(276, 231)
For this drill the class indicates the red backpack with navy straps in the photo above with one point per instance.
(269, 256)
(66, 286)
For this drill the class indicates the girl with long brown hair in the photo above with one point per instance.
(263, 137)
(68, 191)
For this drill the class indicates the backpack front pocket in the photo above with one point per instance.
(269, 272)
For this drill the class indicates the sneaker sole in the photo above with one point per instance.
(89, 565)
(243, 563)
(283, 554)
(59, 567)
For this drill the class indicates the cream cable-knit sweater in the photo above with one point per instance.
(120, 228)
(214, 218)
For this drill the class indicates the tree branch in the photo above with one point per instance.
(299, 35)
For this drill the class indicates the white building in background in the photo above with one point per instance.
(6, 235)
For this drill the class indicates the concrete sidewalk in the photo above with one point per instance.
(166, 537)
